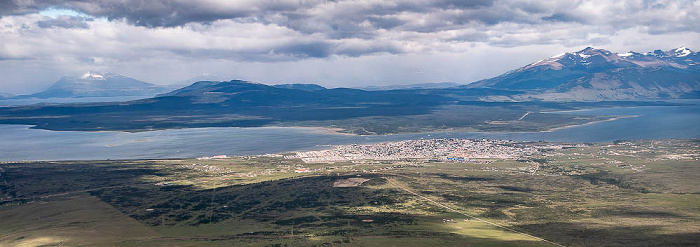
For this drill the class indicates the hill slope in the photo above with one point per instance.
(596, 74)
(93, 84)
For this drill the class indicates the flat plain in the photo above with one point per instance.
(624, 193)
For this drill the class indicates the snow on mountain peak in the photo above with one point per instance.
(601, 59)
(92, 76)
(625, 54)
(559, 55)
(682, 51)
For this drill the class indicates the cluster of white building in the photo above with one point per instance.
(215, 157)
(443, 149)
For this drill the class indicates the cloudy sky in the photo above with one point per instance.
(332, 43)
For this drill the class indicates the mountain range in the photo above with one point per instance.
(586, 75)
(596, 74)
(514, 101)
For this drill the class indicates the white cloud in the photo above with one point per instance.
(328, 42)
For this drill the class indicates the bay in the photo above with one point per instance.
(20, 142)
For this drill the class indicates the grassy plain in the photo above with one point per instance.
(641, 193)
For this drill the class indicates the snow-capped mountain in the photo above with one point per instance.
(591, 58)
(680, 52)
(94, 84)
(597, 74)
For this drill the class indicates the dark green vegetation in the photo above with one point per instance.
(641, 193)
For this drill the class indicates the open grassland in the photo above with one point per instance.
(70, 220)
(642, 193)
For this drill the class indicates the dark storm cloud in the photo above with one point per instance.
(385, 22)
(344, 19)
(561, 17)
(64, 22)
(283, 30)
(292, 51)
(362, 49)
(8, 7)
(156, 13)
(279, 52)
(462, 4)
(307, 49)
(153, 13)
(7, 58)
(339, 18)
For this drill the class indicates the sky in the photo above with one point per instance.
(334, 43)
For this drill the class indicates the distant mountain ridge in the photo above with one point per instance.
(300, 86)
(436, 85)
(252, 94)
(94, 84)
(597, 74)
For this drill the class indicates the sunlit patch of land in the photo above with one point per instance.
(76, 220)
(608, 194)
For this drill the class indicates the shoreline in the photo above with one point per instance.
(589, 123)
(5, 162)
(338, 131)
(322, 130)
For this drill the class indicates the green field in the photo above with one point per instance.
(642, 193)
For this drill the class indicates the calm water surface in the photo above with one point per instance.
(19, 142)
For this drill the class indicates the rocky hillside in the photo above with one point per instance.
(596, 74)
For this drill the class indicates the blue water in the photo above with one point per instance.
(19, 142)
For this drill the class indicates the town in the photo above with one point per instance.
(438, 149)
